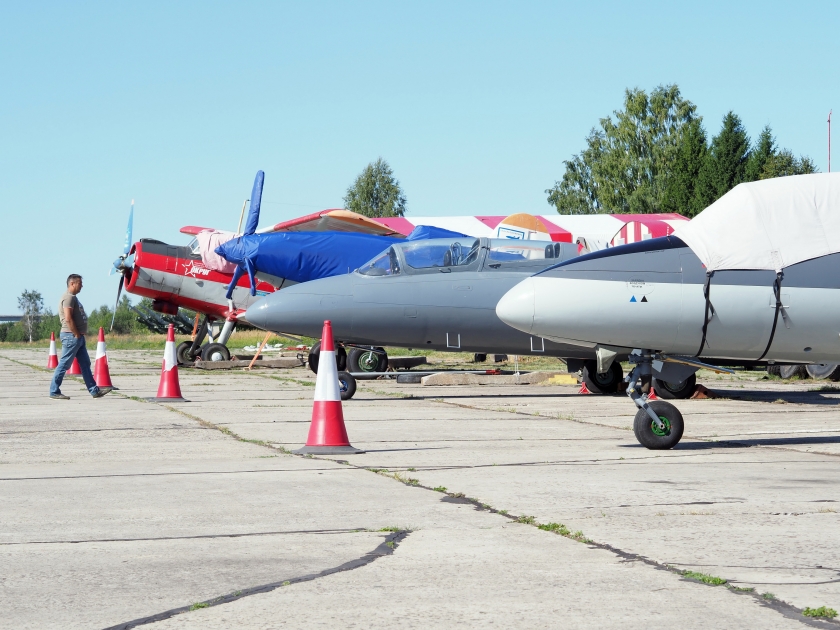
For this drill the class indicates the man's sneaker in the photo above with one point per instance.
(59, 397)
(102, 391)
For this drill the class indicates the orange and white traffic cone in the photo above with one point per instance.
(52, 359)
(75, 369)
(169, 389)
(583, 388)
(101, 374)
(327, 433)
(652, 394)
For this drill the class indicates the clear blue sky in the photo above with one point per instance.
(474, 104)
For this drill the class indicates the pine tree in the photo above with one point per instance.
(764, 150)
(725, 164)
(680, 194)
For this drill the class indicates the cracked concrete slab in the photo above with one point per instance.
(119, 509)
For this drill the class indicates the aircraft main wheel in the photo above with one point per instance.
(182, 353)
(605, 383)
(479, 357)
(366, 360)
(340, 357)
(346, 385)
(773, 369)
(831, 371)
(652, 437)
(215, 352)
(792, 371)
(670, 390)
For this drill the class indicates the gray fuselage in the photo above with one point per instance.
(437, 300)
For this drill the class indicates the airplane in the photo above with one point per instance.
(755, 277)
(437, 294)
(185, 276)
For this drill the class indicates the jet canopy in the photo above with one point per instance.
(464, 253)
(769, 224)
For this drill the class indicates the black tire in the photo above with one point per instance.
(675, 391)
(346, 385)
(792, 371)
(340, 357)
(648, 436)
(181, 353)
(606, 383)
(479, 357)
(773, 369)
(831, 371)
(215, 352)
(366, 360)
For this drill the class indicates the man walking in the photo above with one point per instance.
(73, 330)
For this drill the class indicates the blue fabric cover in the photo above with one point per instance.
(305, 256)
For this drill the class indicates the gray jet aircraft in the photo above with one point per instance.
(439, 294)
(754, 277)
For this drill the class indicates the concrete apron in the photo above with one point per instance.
(118, 510)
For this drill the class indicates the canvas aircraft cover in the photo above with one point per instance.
(769, 224)
(305, 256)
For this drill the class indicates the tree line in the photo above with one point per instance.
(654, 156)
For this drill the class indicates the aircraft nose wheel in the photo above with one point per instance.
(661, 437)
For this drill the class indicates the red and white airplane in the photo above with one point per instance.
(192, 276)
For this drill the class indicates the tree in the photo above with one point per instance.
(725, 165)
(784, 163)
(32, 305)
(764, 150)
(680, 194)
(376, 192)
(627, 162)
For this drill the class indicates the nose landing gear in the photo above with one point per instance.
(658, 425)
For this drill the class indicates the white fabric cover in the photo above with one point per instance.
(769, 224)
(208, 241)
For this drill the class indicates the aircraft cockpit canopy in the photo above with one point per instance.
(510, 250)
(441, 253)
(385, 264)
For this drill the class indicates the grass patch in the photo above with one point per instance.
(703, 577)
(557, 528)
(198, 605)
(823, 611)
(392, 529)
(768, 596)
(527, 520)
(439, 488)
(742, 589)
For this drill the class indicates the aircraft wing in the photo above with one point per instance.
(333, 220)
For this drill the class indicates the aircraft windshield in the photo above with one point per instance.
(386, 264)
(194, 246)
(439, 253)
(509, 250)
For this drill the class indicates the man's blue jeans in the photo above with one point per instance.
(72, 348)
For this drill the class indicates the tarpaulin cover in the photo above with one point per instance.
(208, 241)
(769, 224)
(305, 256)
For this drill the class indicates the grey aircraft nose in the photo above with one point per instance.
(302, 308)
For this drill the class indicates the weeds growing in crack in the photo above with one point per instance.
(823, 612)
(768, 596)
(527, 520)
(390, 544)
(713, 580)
(557, 528)
(393, 529)
(198, 605)
(742, 589)
(286, 583)
(439, 488)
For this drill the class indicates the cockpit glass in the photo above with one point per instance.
(439, 253)
(194, 246)
(385, 264)
(508, 250)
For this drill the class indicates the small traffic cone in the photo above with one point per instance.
(652, 395)
(327, 434)
(100, 367)
(583, 388)
(169, 389)
(75, 369)
(52, 359)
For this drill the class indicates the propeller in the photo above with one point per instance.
(123, 264)
(250, 228)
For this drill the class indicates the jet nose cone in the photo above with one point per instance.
(255, 315)
(516, 308)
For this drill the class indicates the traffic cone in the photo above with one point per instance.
(327, 434)
(75, 369)
(100, 367)
(169, 389)
(652, 395)
(583, 388)
(52, 359)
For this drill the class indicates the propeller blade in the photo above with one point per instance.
(256, 199)
(117, 303)
(128, 230)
